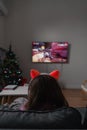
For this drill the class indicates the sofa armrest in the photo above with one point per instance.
(82, 111)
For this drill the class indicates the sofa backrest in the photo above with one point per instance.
(61, 118)
(85, 120)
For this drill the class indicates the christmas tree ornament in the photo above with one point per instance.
(11, 72)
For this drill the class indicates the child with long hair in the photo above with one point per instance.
(44, 92)
(45, 99)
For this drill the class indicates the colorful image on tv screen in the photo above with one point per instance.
(51, 52)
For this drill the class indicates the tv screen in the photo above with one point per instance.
(50, 52)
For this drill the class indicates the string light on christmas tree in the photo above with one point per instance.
(12, 74)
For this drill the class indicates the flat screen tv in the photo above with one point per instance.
(50, 52)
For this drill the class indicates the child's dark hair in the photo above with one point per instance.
(45, 93)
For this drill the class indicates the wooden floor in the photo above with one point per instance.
(75, 97)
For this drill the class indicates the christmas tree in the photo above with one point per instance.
(11, 72)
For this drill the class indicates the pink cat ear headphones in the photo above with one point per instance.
(34, 73)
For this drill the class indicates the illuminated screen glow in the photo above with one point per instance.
(50, 52)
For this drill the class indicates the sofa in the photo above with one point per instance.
(54, 119)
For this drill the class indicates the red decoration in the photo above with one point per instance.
(55, 74)
(24, 80)
(34, 73)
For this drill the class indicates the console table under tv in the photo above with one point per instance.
(7, 95)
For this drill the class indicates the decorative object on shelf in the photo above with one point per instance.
(11, 72)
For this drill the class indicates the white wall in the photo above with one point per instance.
(2, 26)
(50, 20)
(18, 31)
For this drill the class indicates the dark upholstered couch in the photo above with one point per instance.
(61, 118)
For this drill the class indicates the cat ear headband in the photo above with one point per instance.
(34, 73)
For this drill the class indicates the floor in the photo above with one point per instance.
(75, 97)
